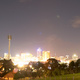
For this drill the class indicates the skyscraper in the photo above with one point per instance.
(39, 53)
(46, 55)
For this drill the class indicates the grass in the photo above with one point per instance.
(63, 77)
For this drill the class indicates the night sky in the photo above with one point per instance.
(52, 25)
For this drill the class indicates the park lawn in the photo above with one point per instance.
(63, 77)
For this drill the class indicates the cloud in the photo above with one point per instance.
(76, 22)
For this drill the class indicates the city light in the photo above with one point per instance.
(22, 59)
(20, 64)
(17, 55)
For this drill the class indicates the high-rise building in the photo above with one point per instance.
(46, 55)
(39, 53)
(5, 55)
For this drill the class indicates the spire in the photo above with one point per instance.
(9, 38)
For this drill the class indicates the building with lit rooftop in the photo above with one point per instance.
(39, 53)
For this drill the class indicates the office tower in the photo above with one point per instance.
(46, 55)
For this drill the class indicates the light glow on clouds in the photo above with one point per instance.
(76, 22)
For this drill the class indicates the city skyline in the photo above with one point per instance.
(52, 25)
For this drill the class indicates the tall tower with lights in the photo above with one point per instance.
(9, 38)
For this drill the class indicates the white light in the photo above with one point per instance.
(17, 55)
(27, 53)
(21, 64)
(74, 55)
(39, 49)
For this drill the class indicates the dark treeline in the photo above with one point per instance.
(38, 69)
(50, 68)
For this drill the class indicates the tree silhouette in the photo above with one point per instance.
(77, 65)
(72, 66)
(51, 65)
(6, 67)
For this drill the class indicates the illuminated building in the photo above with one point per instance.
(45, 55)
(39, 52)
(26, 56)
(22, 59)
(6, 56)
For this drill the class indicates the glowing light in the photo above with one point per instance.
(24, 59)
(35, 70)
(15, 70)
(49, 67)
(74, 56)
(17, 55)
(30, 66)
(21, 64)
(27, 53)
(39, 49)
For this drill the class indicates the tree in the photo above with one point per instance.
(77, 65)
(51, 65)
(7, 66)
(72, 66)
(63, 69)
